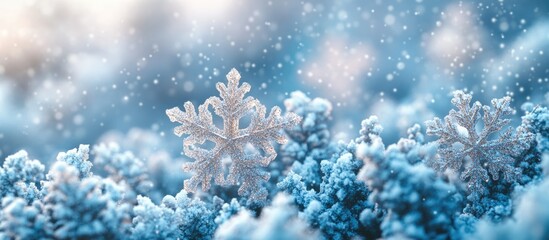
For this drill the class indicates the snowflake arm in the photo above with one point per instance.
(475, 176)
(199, 128)
(493, 120)
(249, 173)
(230, 141)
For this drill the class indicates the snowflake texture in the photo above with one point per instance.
(473, 154)
(249, 149)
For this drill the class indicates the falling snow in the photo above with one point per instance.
(460, 88)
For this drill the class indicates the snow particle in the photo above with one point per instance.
(390, 19)
(188, 86)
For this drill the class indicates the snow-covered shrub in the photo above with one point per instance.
(72, 203)
(418, 203)
(123, 168)
(178, 217)
(530, 218)
(537, 122)
(166, 175)
(308, 142)
(83, 208)
(278, 221)
(78, 158)
(153, 221)
(336, 207)
(21, 176)
(20, 220)
(310, 137)
(163, 170)
(228, 210)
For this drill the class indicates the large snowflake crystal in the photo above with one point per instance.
(473, 154)
(249, 149)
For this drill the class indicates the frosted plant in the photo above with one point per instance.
(149, 149)
(537, 122)
(227, 211)
(231, 141)
(20, 176)
(418, 203)
(311, 137)
(370, 129)
(83, 208)
(529, 220)
(336, 207)
(178, 217)
(79, 158)
(152, 221)
(474, 154)
(20, 220)
(124, 168)
(309, 142)
(278, 221)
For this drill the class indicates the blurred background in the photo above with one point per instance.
(76, 72)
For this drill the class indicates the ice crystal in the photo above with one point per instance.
(476, 154)
(231, 141)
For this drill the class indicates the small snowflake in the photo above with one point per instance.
(249, 149)
(474, 155)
